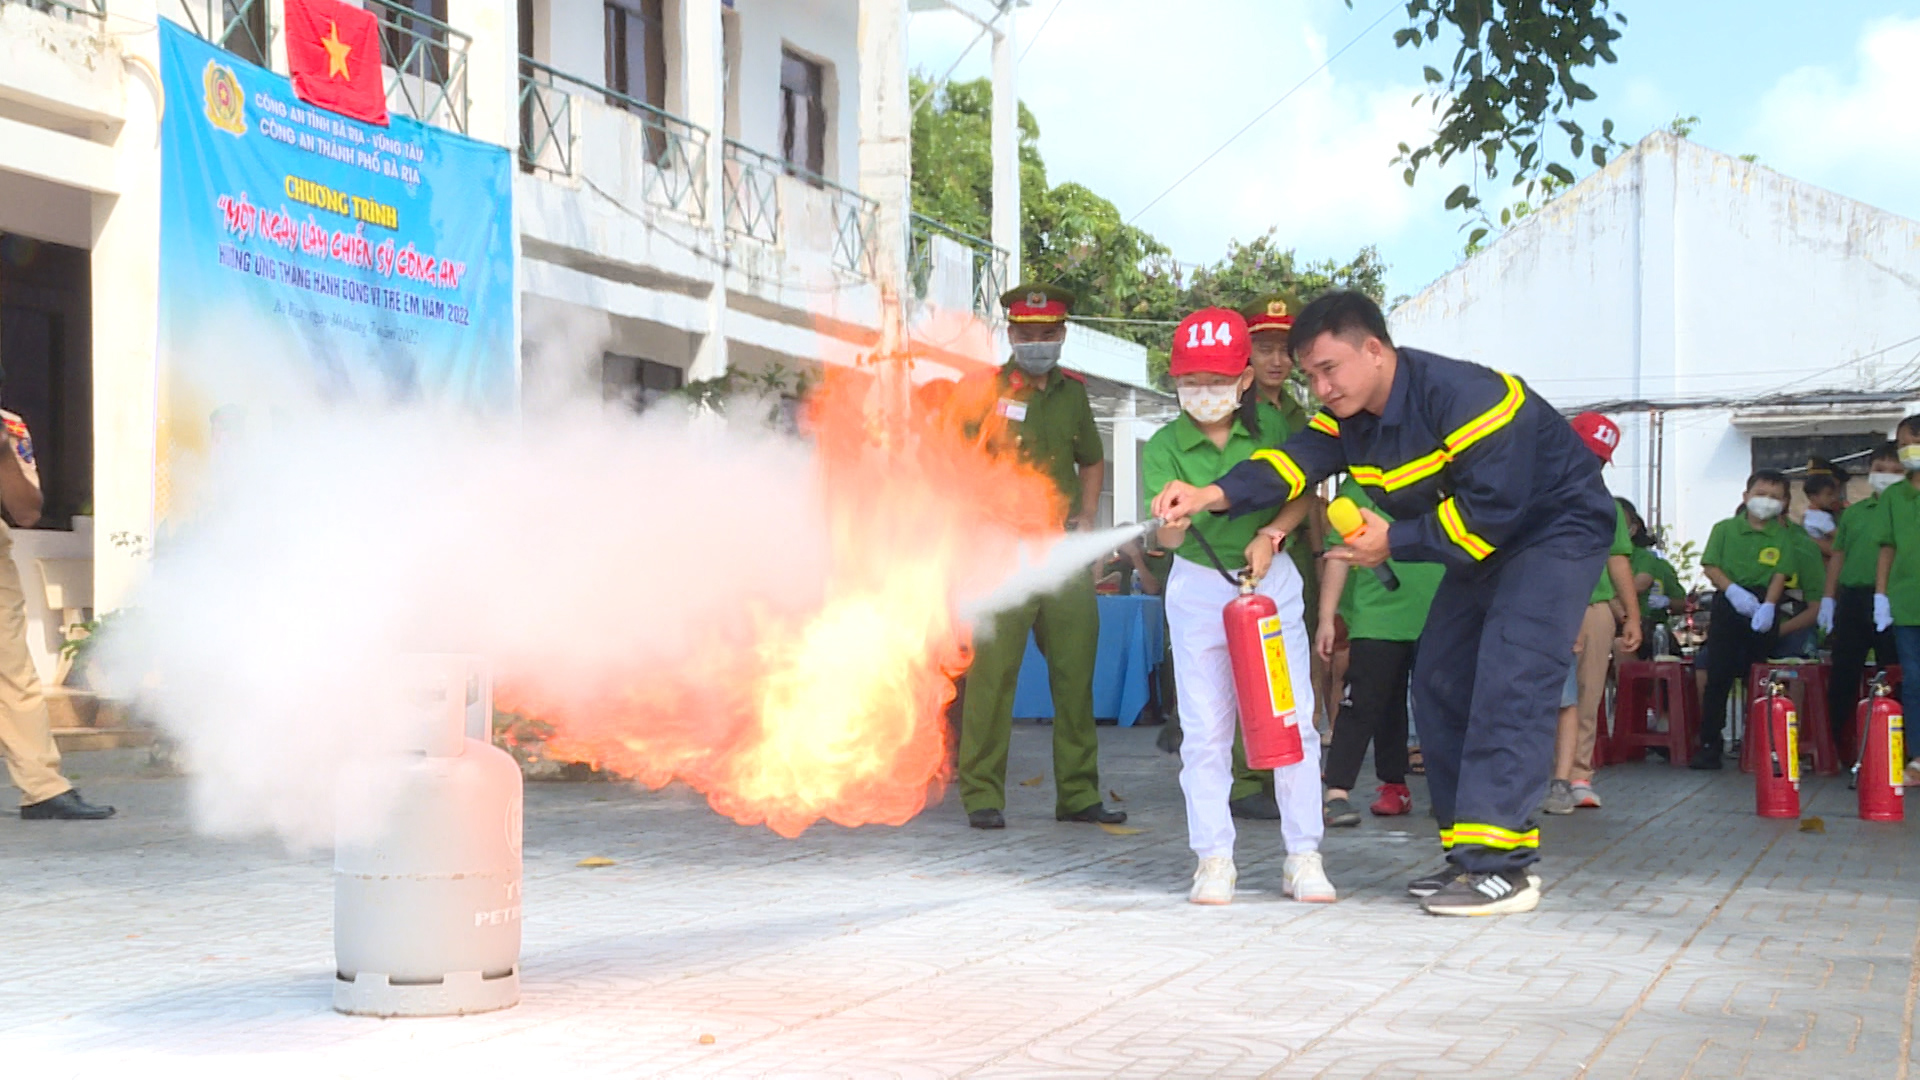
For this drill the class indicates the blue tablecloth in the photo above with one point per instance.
(1133, 641)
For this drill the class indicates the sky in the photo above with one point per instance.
(1131, 94)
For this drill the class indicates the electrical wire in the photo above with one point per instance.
(1328, 62)
(1051, 12)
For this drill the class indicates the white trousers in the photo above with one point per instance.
(1209, 713)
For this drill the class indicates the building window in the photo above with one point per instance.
(803, 114)
(637, 51)
(638, 382)
(414, 36)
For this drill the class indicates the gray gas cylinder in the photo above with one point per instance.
(426, 900)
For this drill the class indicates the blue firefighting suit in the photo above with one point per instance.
(1486, 478)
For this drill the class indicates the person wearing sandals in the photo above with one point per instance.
(1382, 629)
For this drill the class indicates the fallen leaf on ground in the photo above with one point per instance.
(706, 1040)
(594, 861)
(1114, 795)
(1035, 782)
(1813, 824)
(1120, 830)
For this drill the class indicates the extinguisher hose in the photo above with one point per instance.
(1214, 558)
(1773, 751)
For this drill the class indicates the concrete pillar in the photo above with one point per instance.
(886, 157)
(1006, 148)
(126, 283)
(1657, 305)
(1126, 464)
(276, 34)
(703, 78)
(493, 66)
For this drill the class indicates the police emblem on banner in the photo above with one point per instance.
(226, 102)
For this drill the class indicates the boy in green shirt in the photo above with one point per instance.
(1747, 556)
(1896, 600)
(1383, 629)
(1208, 363)
(1846, 609)
(1654, 579)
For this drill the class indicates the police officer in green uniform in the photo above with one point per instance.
(1044, 410)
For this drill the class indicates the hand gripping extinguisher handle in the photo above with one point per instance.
(1345, 518)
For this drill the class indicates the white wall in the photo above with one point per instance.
(825, 31)
(1680, 273)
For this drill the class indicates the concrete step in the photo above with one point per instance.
(70, 739)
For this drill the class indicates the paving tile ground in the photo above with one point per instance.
(1681, 936)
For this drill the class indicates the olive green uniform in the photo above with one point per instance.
(1054, 429)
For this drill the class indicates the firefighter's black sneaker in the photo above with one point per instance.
(1505, 893)
(1428, 884)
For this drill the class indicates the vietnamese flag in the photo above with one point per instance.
(333, 50)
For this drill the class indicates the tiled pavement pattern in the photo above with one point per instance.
(1681, 937)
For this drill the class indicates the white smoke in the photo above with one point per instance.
(571, 546)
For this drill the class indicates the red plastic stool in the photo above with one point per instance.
(1815, 728)
(1666, 687)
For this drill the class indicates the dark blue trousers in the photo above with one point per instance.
(1487, 682)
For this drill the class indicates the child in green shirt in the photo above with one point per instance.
(1846, 608)
(1747, 556)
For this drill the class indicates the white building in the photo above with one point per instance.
(1728, 317)
(705, 186)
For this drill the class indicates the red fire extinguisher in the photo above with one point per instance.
(1776, 776)
(1880, 773)
(1262, 681)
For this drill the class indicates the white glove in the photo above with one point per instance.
(1882, 612)
(1743, 601)
(1658, 603)
(1763, 618)
(1826, 615)
(1818, 523)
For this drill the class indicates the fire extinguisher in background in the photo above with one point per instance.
(1261, 680)
(1776, 777)
(1880, 771)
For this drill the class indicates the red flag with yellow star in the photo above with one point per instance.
(333, 50)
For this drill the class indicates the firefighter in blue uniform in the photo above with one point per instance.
(1484, 477)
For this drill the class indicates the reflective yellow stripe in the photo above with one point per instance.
(1494, 836)
(1446, 837)
(1325, 424)
(1449, 513)
(1368, 475)
(1416, 470)
(1290, 472)
(1490, 421)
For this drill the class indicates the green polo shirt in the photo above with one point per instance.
(1181, 451)
(1900, 530)
(1622, 545)
(1052, 426)
(1809, 573)
(1749, 556)
(1645, 561)
(1858, 542)
(1375, 613)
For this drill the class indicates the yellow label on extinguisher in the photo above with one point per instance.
(1793, 747)
(1279, 678)
(1896, 751)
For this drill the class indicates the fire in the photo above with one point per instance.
(784, 719)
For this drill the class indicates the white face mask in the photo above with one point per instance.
(1764, 508)
(1881, 481)
(1910, 458)
(1210, 404)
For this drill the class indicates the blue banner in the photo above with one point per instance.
(306, 258)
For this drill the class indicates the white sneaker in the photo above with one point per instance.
(1213, 881)
(1305, 879)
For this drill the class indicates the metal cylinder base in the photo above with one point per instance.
(459, 993)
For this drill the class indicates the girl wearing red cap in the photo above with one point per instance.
(1209, 366)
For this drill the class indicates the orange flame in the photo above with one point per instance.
(835, 713)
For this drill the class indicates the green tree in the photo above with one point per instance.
(1508, 99)
(1073, 237)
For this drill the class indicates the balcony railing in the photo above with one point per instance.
(988, 264)
(70, 10)
(551, 117)
(429, 63)
(753, 205)
(238, 26)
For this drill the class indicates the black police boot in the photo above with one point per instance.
(986, 819)
(1097, 814)
(66, 806)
